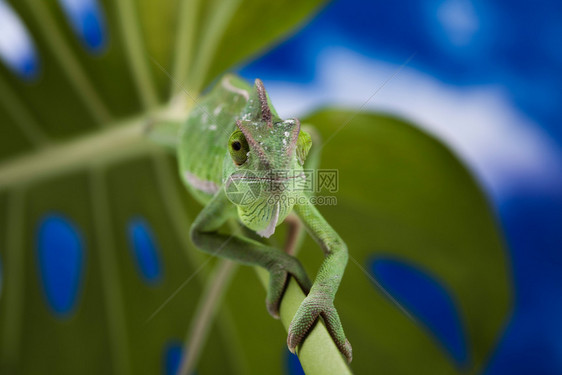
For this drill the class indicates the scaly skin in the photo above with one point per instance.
(235, 141)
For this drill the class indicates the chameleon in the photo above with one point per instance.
(240, 160)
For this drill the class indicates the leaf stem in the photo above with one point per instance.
(136, 53)
(212, 31)
(118, 142)
(211, 298)
(110, 276)
(185, 40)
(318, 354)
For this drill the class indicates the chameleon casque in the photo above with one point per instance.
(233, 144)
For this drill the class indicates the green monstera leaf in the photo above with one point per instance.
(420, 232)
(97, 273)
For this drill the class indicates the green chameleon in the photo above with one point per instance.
(239, 159)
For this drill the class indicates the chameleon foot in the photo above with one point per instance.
(313, 306)
(278, 280)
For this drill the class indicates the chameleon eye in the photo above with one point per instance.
(238, 147)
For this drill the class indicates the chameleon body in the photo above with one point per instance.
(240, 160)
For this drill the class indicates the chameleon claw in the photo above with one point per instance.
(273, 310)
(292, 350)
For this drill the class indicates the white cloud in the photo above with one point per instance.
(504, 147)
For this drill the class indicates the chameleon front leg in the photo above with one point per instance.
(320, 300)
(205, 235)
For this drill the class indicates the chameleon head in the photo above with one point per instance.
(263, 175)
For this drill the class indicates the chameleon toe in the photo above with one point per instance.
(335, 328)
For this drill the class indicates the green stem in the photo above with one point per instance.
(211, 33)
(120, 141)
(185, 38)
(318, 354)
(115, 309)
(136, 53)
(211, 299)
